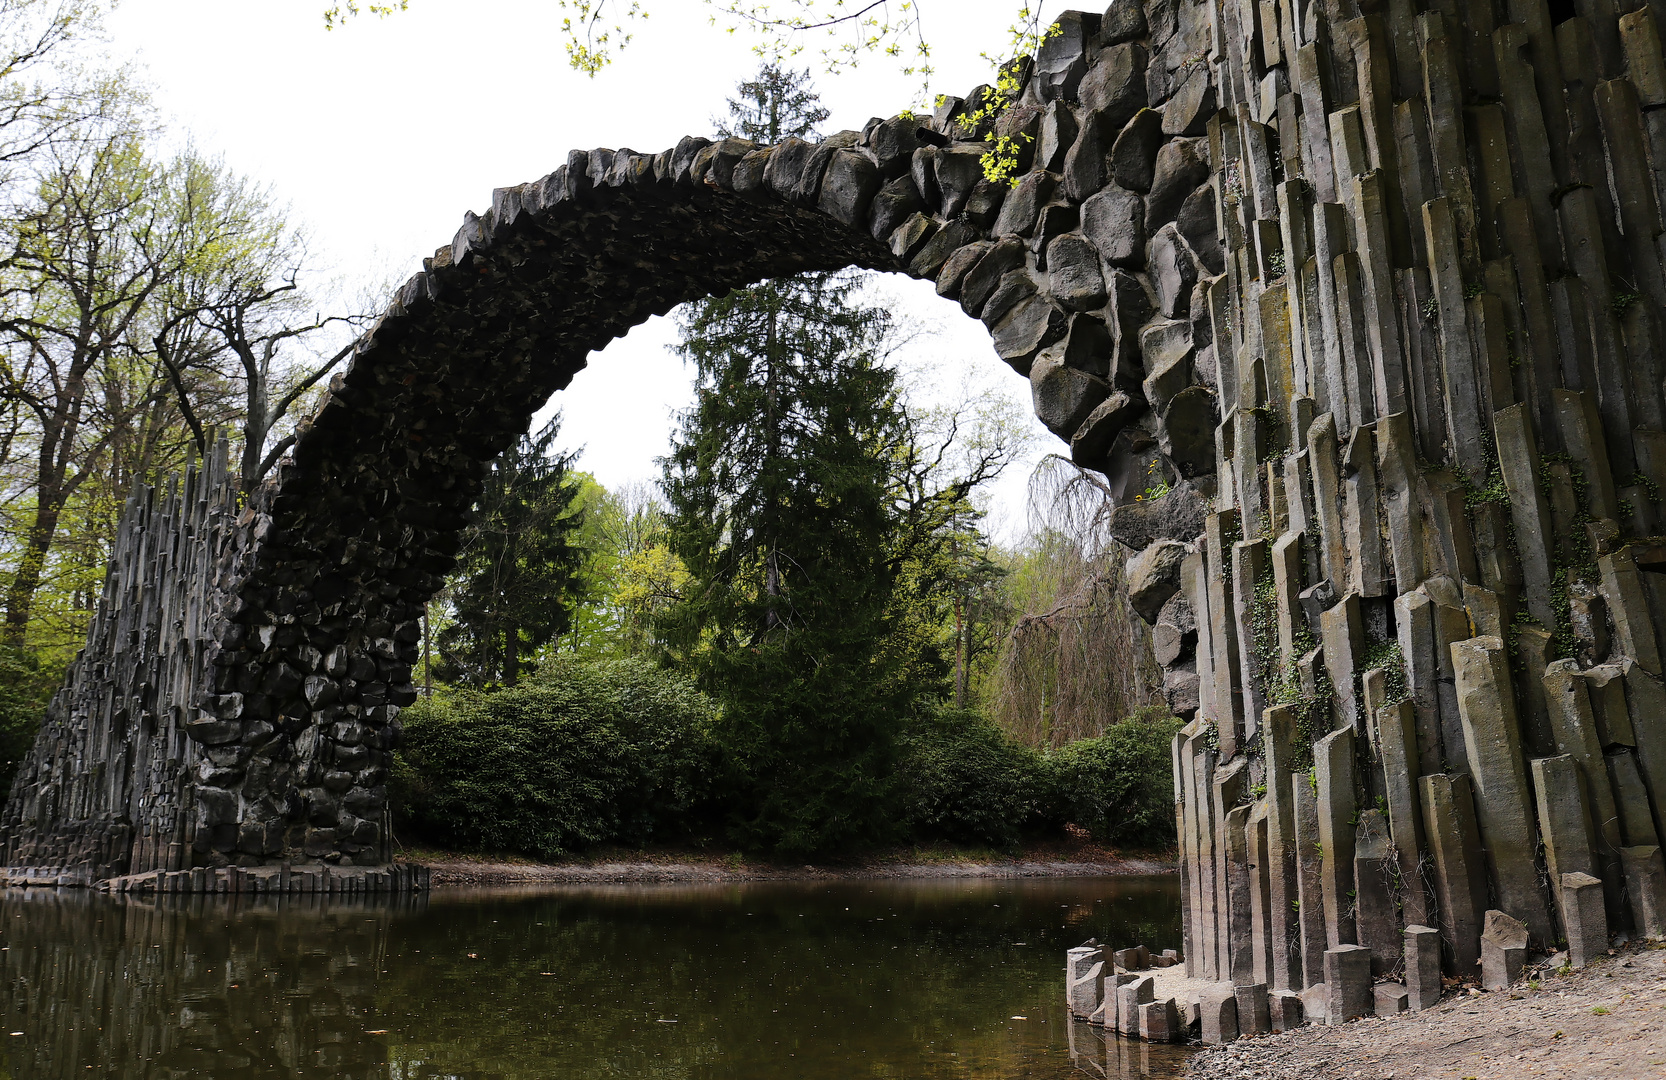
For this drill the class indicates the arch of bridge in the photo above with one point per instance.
(287, 678)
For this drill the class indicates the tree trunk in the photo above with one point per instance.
(959, 656)
(20, 598)
(772, 427)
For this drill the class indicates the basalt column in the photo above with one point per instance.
(1434, 594)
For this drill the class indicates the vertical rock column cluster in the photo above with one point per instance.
(109, 785)
(1431, 726)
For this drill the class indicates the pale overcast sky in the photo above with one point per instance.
(382, 133)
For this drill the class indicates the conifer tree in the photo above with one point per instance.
(781, 508)
(515, 586)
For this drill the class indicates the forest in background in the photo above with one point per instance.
(801, 630)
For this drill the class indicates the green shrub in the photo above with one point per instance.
(964, 780)
(587, 752)
(1119, 786)
(26, 688)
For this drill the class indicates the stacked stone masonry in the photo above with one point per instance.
(1360, 312)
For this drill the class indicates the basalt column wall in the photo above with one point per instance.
(1429, 605)
(109, 786)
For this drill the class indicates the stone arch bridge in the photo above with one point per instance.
(1375, 287)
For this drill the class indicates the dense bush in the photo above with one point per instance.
(1119, 786)
(585, 753)
(621, 751)
(26, 688)
(966, 781)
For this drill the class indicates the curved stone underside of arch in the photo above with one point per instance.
(1360, 312)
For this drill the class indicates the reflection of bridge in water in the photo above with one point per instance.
(194, 986)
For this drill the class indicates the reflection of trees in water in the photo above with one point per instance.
(191, 986)
(764, 980)
(754, 974)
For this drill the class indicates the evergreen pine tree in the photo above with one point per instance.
(776, 105)
(514, 588)
(781, 508)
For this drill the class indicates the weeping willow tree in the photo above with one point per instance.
(1075, 658)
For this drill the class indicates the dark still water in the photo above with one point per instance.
(920, 979)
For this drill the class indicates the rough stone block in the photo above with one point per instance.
(1238, 959)
(1573, 727)
(1376, 907)
(1114, 983)
(1398, 755)
(1129, 998)
(1347, 983)
(1492, 736)
(1460, 873)
(1219, 1007)
(1083, 982)
(1129, 959)
(1518, 459)
(1503, 950)
(1388, 999)
(1342, 633)
(1564, 821)
(1254, 1009)
(1286, 1007)
(1631, 800)
(1643, 57)
(1114, 222)
(1646, 702)
(1606, 687)
(1160, 1022)
(1153, 576)
(1260, 871)
(1316, 1000)
(1278, 742)
(1333, 762)
(1628, 606)
(1584, 918)
(1310, 901)
(1645, 874)
(1422, 967)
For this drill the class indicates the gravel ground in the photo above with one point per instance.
(1606, 1021)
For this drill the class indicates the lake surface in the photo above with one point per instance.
(886, 979)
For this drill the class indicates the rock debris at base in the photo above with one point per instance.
(1550, 1032)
